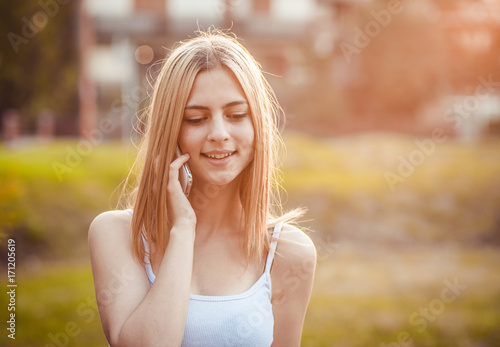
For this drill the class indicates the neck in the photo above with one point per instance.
(218, 208)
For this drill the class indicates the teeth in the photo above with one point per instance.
(218, 156)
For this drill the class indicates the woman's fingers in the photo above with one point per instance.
(177, 200)
(174, 170)
(178, 162)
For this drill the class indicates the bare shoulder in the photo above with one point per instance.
(294, 245)
(293, 270)
(110, 225)
(120, 281)
(117, 217)
(295, 259)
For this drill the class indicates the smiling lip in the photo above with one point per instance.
(218, 155)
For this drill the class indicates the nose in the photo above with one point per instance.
(218, 130)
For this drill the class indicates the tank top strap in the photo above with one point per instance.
(272, 248)
(147, 261)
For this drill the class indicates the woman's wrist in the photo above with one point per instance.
(183, 228)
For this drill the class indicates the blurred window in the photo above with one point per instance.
(110, 8)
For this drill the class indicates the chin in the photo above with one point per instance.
(222, 180)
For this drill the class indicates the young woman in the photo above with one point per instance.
(216, 267)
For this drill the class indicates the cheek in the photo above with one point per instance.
(247, 136)
(182, 140)
(247, 145)
(187, 139)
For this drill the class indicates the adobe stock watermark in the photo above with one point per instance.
(421, 318)
(407, 164)
(91, 139)
(200, 199)
(11, 288)
(363, 36)
(324, 248)
(88, 310)
(257, 317)
(31, 27)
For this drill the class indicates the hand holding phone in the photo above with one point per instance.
(185, 176)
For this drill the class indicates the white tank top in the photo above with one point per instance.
(244, 319)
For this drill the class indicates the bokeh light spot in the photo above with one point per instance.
(144, 54)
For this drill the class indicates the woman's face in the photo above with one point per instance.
(217, 129)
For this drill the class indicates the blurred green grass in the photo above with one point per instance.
(55, 306)
(452, 195)
(368, 298)
(49, 209)
(384, 253)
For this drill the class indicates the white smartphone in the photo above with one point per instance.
(185, 176)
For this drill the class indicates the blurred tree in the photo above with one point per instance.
(38, 58)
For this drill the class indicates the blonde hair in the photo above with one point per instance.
(163, 119)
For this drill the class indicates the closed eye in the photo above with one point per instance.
(194, 120)
(237, 116)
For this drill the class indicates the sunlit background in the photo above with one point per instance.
(393, 145)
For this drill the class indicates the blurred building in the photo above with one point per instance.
(415, 66)
(337, 66)
(124, 38)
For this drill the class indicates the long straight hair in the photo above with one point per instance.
(259, 184)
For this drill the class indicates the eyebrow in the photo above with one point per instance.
(229, 104)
